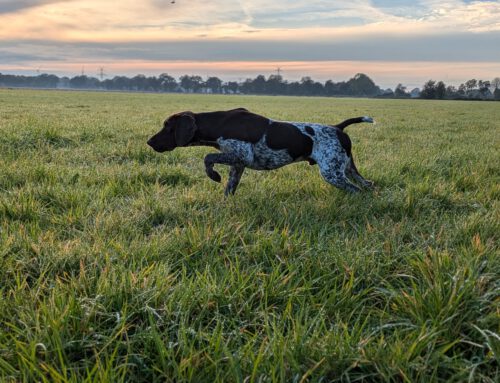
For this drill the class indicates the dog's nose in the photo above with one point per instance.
(150, 142)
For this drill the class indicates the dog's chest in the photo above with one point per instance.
(258, 156)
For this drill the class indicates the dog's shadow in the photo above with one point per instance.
(313, 209)
(305, 210)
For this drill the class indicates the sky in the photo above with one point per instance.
(400, 41)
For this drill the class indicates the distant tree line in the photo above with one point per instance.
(359, 86)
(470, 90)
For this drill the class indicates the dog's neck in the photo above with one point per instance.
(204, 136)
(201, 139)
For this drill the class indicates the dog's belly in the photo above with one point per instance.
(256, 156)
(265, 158)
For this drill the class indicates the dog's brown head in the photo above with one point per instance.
(178, 130)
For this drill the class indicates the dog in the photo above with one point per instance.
(248, 140)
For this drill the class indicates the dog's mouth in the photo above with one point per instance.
(158, 148)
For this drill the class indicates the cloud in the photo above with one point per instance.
(7, 6)
(9, 57)
(159, 20)
(473, 16)
(446, 47)
(300, 14)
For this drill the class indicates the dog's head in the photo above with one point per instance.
(178, 130)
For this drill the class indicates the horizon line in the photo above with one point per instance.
(386, 73)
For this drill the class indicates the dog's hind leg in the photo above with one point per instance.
(341, 181)
(234, 179)
(352, 171)
(219, 158)
(334, 173)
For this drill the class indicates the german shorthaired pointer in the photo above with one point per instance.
(249, 140)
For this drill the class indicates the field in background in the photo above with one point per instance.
(121, 264)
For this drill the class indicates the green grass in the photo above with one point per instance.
(121, 264)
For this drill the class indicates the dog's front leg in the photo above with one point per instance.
(219, 158)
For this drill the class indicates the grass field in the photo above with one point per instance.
(121, 264)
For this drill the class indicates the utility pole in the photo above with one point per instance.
(101, 73)
(83, 70)
(278, 71)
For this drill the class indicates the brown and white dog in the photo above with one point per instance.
(248, 140)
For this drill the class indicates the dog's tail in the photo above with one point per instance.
(355, 120)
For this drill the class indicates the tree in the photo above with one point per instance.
(389, 93)
(309, 87)
(167, 82)
(197, 83)
(191, 83)
(247, 86)
(332, 88)
(362, 85)
(153, 84)
(495, 83)
(231, 87)
(45, 81)
(306, 85)
(451, 91)
(139, 82)
(294, 88)
(318, 89)
(429, 90)
(484, 88)
(120, 83)
(259, 84)
(275, 84)
(496, 94)
(440, 90)
(470, 84)
(254, 86)
(462, 90)
(185, 82)
(214, 84)
(84, 82)
(400, 91)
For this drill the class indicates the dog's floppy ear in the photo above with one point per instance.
(185, 128)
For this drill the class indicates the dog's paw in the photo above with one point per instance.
(214, 176)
